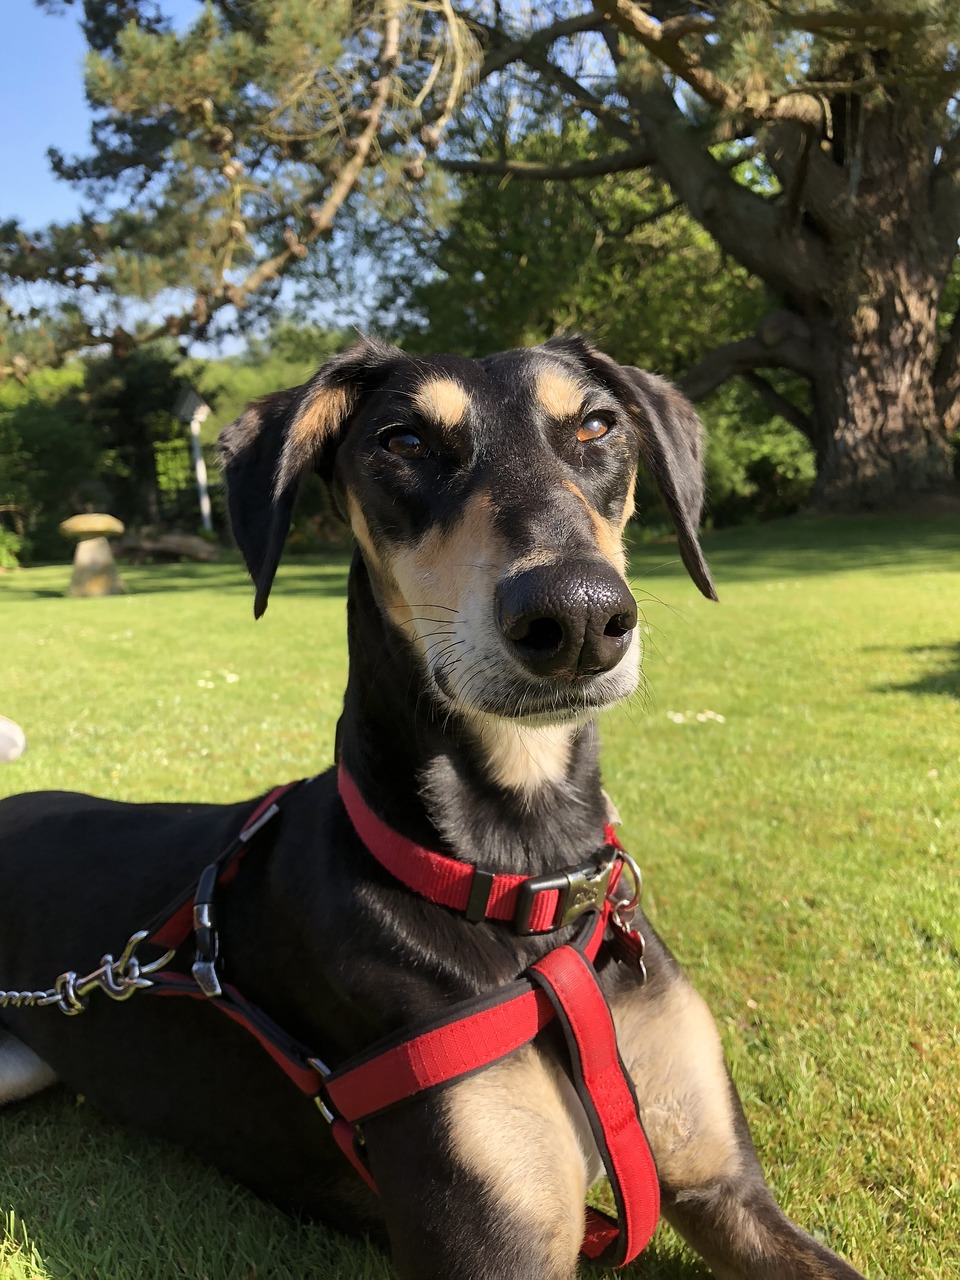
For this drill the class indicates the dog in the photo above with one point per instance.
(489, 622)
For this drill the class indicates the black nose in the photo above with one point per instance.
(568, 619)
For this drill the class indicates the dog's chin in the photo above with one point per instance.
(539, 703)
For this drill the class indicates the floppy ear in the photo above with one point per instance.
(277, 440)
(671, 445)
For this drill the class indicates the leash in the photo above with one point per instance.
(471, 1035)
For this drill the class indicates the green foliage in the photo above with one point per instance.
(10, 546)
(46, 455)
(756, 469)
(85, 437)
(221, 153)
(518, 261)
(127, 404)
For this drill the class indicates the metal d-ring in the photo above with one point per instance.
(625, 908)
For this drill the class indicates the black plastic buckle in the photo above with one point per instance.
(581, 889)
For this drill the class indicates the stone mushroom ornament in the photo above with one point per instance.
(95, 571)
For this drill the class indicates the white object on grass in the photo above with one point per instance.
(13, 741)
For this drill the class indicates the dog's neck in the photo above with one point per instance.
(488, 792)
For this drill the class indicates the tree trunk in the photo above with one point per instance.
(879, 438)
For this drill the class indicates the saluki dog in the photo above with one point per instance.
(489, 621)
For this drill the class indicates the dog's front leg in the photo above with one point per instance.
(486, 1179)
(712, 1187)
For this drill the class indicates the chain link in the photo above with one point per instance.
(119, 979)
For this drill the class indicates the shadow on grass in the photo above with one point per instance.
(100, 1202)
(944, 680)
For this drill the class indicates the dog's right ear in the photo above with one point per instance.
(277, 440)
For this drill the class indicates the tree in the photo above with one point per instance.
(224, 155)
(849, 105)
(514, 262)
(47, 456)
(126, 406)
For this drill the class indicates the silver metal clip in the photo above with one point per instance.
(205, 975)
(119, 978)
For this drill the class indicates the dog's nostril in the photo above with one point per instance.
(542, 635)
(619, 625)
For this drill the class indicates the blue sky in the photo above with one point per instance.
(42, 105)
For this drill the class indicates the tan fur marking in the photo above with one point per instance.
(445, 567)
(510, 1128)
(384, 586)
(671, 1049)
(361, 531)
(609, 536)
(442, 574)
(560, 394)
(523, 758)
(443, 401)
(630, 505)
(320, 417)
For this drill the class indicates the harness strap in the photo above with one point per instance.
(471, 1035)
(607, 1094)
(174, 924)
(463, 1043)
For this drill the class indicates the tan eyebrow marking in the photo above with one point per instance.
(560, 394)
(443, 401)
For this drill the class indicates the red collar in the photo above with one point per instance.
(534, 904)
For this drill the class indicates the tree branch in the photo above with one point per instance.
(322, 217)
(608, 116)
(663, 41)
(779, 404)
(810, 179)
(748, 226)
(845, 20)
(782, 341)
(501, 53)
(616, 162)
(319, 220)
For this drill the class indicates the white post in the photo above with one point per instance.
(200, 467)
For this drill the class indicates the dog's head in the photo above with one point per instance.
(488, 498)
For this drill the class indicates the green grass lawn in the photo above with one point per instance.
(790, 782)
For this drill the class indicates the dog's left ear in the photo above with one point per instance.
(277, 440)
(671, 445)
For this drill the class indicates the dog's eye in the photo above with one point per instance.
(592, 428)
(405, 444)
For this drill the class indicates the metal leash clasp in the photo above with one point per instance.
(629, 943)
(119, 978)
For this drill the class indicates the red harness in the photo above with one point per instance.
(473, 1033)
